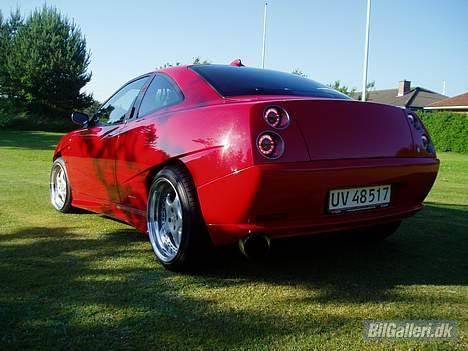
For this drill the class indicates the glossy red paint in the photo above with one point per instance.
(330, 144)
(290, 199)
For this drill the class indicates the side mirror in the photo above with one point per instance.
(80, 118)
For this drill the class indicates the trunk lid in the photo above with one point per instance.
(348, 129)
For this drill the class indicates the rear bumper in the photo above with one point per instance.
(290, 199)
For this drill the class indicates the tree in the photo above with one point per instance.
(8, 30)
(14, 23)
(198, 61)
(47, 63)
(3, 51)
(92, 108)
(351, 91)
(168, 64)
(370, 86)
(299, 72)
(342, 88)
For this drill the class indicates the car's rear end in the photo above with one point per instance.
(322, 163)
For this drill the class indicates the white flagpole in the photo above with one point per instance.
(366, 53)
(264, 35)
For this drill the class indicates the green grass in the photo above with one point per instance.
(81, 281)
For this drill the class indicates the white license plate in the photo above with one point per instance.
(359, 198)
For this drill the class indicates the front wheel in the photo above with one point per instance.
(175, 225)
(60, 190)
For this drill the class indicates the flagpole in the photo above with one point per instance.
(264, 35)
(366, 53)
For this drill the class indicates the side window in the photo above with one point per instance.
(115, 109)
(160, 93)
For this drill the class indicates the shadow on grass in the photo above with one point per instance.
(32, 140)
(64, 290)
(429, 248)
(54, 287)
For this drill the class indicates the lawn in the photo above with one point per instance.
(82, 281)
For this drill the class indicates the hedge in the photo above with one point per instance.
(448, 130)
(24, 121)
(16, 117)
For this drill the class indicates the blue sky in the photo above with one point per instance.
(425, 41)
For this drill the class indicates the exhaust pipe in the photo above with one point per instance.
(255, 245)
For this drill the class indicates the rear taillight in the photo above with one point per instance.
(414, 121)
(427, 144)
(276, 117)
(424, 141)
(270, 145)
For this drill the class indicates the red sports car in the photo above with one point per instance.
(219, 154)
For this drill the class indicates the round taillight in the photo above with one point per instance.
(266, 144)
(414, 120)
(270, 145)
(425, 142)
(276, 117)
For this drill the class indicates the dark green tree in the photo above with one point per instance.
(198, 61)
(342, 88)
(168, 64)
(47, 63)
(3, 50)
(92, 108)
(351, 91)
(370, 86)
(8, 29)
(299, 72)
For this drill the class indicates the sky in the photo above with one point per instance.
(424, 41)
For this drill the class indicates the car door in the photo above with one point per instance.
(92, 170)
(139, 144)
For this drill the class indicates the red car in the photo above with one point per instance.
(219, 154)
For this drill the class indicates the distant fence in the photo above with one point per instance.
(448, 130)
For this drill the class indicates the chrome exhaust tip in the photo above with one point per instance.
(255, 245)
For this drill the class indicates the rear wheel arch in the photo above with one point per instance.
(172, 162)
(195, 240)
(56, 156)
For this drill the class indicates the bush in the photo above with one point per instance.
(14, 117)
(448, 130)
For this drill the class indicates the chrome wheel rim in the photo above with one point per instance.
(58, 187)
(164, 219)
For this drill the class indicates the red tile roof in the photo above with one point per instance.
(459, 100)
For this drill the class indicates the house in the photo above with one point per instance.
(457, 103)
(405, 96)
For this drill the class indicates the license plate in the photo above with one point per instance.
(359, 198)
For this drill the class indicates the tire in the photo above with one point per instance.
(60, 190)
(380, 232)
(175, 226)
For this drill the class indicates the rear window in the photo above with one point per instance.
(236, 81)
